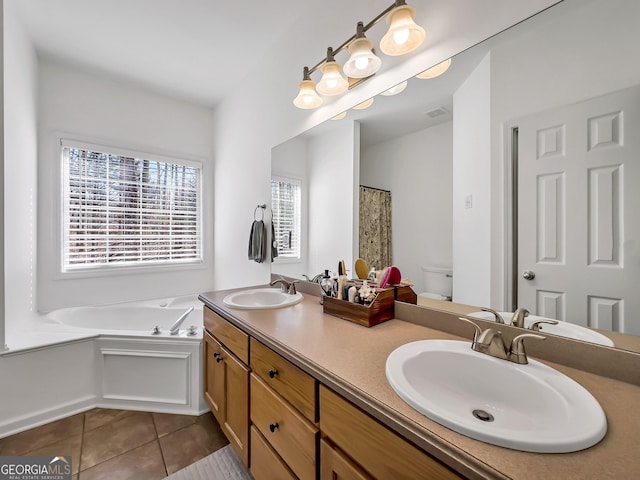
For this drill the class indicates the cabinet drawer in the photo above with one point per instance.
(230, 336)
(380, 451)
(265, 463)
(285, 429)
(294, 385)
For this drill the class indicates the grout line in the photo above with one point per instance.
(157, 439)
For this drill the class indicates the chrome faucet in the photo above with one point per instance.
(498, 317)
(535, 326)
(315, 279)
(491, 342)
(175, 328)
(285, 287)
(518, 317)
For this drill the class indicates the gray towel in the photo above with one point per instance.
(274, 242)
(258, 242)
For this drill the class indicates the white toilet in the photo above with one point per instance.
(438, 283)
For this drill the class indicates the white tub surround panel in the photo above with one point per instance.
(46, 384)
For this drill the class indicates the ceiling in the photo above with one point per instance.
(191, 49)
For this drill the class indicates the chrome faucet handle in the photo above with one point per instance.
(478, 330)
(284, 285)
(518, 317)
(499, 318)
(517, 354)
(535, 326)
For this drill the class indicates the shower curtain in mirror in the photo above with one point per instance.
(375, 227)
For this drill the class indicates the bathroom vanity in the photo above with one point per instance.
(302, 394)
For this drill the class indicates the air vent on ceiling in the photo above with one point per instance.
(436, 112)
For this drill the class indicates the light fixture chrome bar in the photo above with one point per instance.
(353, 37)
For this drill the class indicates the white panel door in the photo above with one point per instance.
(579, 212)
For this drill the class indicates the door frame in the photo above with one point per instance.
(510, 219)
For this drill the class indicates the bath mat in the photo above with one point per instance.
(222, 464)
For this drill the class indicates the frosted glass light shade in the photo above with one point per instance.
(435, 71)
(362, 62)
(363, 105)
(395, 90)
(339, 116)
(332, 81)
(404, 35)
(307, 97)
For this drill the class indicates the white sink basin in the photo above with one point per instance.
(260, 298)
(532, 407)
(562, 329)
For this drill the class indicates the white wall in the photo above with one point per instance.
(332, 205)
(417, 169)
(472, 179)
(2, 282)
(289, 159)
(20, 177)
(79, 105)
(567, 58)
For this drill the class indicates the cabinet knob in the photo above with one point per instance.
(218, 357)
(273, 372)
(273, 427)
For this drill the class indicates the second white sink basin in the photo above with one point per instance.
(532, 408)
(562, 329)
(260, 298)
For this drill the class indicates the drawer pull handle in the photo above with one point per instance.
(273, 427)
(273, 373)
(216, 355)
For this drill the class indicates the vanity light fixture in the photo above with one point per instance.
(340, 116)
(363, 105)
(435, 71)
(363, 62)
(307, 97)
(395, 90)
(403, 36)
(332, 82)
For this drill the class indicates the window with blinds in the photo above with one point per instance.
(285, 207)
(128, 209)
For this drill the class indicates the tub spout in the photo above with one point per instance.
(175, 328)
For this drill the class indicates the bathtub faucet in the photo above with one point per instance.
(175, 328)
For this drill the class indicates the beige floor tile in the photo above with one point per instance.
(101, 416)
(69, 446)
(190, 444)
(167, 423)
(39, 437)
(115, 438)
(142, 463)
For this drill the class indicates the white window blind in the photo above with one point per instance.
(122, 209)
(285, 208)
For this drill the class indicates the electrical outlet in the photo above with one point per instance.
(468, 201)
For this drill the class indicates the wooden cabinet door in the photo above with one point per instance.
(236, 404)
(336, 466)
(214, 377)
(227, 393)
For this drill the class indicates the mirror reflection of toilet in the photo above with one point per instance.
(438, 283)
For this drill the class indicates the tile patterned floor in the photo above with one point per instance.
(121, 444)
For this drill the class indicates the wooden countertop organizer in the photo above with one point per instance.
(378, 311)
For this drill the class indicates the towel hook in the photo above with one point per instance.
(263, 207)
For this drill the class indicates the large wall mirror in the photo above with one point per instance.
(553, 103)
